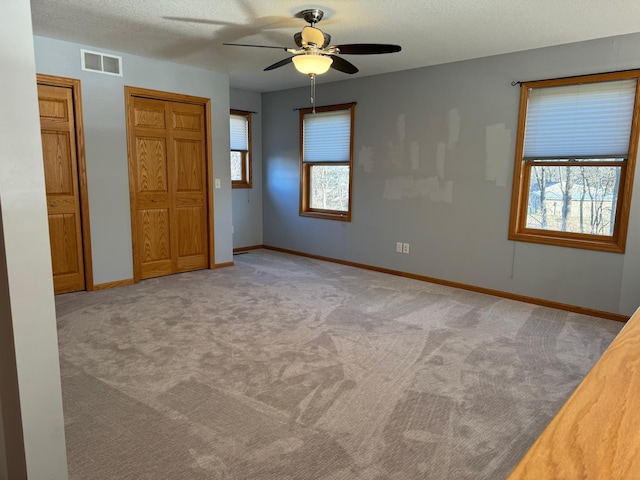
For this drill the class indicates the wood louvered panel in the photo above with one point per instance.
(61, 181)
(170, 176)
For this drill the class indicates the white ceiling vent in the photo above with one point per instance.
(101, 62)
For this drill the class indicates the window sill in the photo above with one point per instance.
(327, 215)
(587, 242)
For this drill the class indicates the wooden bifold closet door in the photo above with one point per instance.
(59, 152)
(168, 181)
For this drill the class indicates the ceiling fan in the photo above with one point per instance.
(314, 56)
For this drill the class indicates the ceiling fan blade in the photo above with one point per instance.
(279, 64)
(367, 48)
(343, 65)
(257, 46)
(201, 20)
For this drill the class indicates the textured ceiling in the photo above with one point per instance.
(430, 31)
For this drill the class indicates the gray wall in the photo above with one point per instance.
(32, 426)
(106, 145)
(247, 202)
(434, 151)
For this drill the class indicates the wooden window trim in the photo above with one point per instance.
(305, 168)
(519, 200)
(247, 168)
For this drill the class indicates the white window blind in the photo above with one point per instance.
(239, 132)
(587, 120)
(327, 136)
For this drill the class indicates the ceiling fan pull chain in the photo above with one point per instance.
(313, 92)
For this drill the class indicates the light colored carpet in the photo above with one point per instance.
(288, 368)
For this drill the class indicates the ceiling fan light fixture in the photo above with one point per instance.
(312, 64)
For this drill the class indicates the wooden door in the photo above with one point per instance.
(57, 125)
(169, 186)
(190, 198)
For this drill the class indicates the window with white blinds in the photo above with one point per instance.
(575, 160)
(327, 136)
(580, 121)
(239, 132)
(326, 161)
(240, 142)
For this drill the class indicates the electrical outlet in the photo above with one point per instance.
(405, 248)
(398, 247)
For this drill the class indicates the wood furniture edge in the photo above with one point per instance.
(595, 434)
(473, 288)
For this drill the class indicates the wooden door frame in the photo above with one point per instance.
(83, 191)
(129, 94)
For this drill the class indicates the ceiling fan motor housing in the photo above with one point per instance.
(312, 15)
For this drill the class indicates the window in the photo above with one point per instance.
(326, 161)
(240, 128)
(575, 158)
